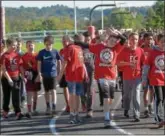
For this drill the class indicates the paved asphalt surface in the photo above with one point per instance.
(58, 125)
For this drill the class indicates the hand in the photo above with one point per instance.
(144, 83)
(113, 32)
(58, 78)
(39, 78)
(11, 83)
(87, 79)
(133, 65)
(25, 80)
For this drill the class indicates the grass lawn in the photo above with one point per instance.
(40, 46)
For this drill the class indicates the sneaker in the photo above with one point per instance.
(107, 124)
(23, 105)
(48, 111)
(161, 124)
(72, 119)
(35, 113)
(146, 114)
(67, 109)
(19, 116)
(5, 115)
(136, 119)
(84, 109)
(126, 113)
(53, 110)
(89, 114)
(151, 111)
(78, 119)
(28, 115)
(101, 104)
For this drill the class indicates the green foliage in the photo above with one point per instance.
(61, 17)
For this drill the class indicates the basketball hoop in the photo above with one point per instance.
(134, 14)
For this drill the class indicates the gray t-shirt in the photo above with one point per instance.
(89, 60)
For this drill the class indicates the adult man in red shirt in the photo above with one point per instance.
(11, 64)
(74, 68)
(132, 59)
(154, 68)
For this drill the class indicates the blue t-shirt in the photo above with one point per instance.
(48, 62)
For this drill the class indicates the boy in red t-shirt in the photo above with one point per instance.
(106, 53)
(63, 83)
(75, 73)
(154, 68)
(132, 58)
(11, 65)
(30, 72)
(148, 90)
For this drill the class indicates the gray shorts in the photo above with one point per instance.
(108, 87)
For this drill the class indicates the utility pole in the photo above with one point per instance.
(75, 17)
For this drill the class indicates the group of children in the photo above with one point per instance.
(85, 57)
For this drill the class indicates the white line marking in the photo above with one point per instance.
(115, 125)
(52, 124)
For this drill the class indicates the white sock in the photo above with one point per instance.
(72, 113)
(107, 115)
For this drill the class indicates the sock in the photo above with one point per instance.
(76, 113)
(72, 113)
(146, 107)
(29, 108)
(34, 106)
(53, 105)
(107, 115)
(48, 105)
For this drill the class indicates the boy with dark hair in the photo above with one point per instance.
(154, 68)
(148, 90)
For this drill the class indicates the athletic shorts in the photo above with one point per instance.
(49, 83)
(76, 88)
(107, 87)
(31, 85)
(63, 82)
(148, 86)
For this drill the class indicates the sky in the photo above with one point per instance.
(80, 4)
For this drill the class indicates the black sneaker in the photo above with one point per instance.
(28, 115)
(136, 120)
(19, 116)
(107, 124)
(72, 119)
(126, 113)
(78, 119)
(146, 114)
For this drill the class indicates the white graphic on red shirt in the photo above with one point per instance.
(159, 63)
(13, 64)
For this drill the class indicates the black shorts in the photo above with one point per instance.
(49, 83)
(63, 82)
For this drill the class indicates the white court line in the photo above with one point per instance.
(115, 125)
(52, 124)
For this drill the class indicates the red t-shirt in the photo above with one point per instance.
(12, 62)
(141, 42)
(135, 56)
(29, 61)
(146, 50)
(105, 60)
(75, 69)
(156, 61)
